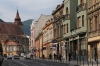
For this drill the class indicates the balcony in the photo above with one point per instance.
(94, 33)
(81, 7)
(58, 18)
(93, 8)
(66, 17)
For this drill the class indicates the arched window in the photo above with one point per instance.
(67, 12)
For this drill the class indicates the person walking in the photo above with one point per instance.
(70, 56)
(1, 59)
(54, 56)
(31, 56)
(50, 56)
(60, 57)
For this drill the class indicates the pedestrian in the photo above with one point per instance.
(54, 56)
(31, 56)
(43, 56)
(1, 59)
(50, 56)
(60, 57)
(70, 56)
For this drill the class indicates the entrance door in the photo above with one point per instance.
(94, 51)
(74, 51)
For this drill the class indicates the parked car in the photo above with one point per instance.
(16, 56)
(9, 57)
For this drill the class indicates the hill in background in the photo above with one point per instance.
(1, 20)
(26, 26)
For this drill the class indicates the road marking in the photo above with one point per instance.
(44, 64)
(9, 64)
(21, 63)
(35, 62)
(15, 65)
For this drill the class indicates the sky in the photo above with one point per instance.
(28, 9)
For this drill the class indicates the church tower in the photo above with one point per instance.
(18, 20)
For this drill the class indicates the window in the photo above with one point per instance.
(67, 12)
(55, 33)
(82, 3)
(96, 22)
(64, 29)
(12, 48)
(82, 20)
(61, 30)
(90, 24)
(67, 28)
(96, 1)
(90, 2)
(78, 22)
(58, 31)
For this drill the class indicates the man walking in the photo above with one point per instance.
(70, 56)
(1, 59)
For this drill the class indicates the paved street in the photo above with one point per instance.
(31, 62)
(45, 62)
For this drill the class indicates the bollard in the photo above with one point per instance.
(77, 61)
(83, 61)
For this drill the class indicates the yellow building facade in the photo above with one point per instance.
(47, 38)
(93, 29)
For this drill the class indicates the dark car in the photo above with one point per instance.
(9, 57)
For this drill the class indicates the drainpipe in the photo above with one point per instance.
(87, 27)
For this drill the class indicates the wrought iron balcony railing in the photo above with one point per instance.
(66, 17)
(81, 7)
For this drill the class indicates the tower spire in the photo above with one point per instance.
(17, 9)
(17, 18)
(17, 14)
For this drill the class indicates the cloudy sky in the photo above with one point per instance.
(28, 9)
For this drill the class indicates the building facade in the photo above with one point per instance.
(12, 37)
(38, 30)
(47, 38)
(93, 29)
(58, 41)
(32, 37)
(76, 28)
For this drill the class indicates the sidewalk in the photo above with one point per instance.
(85, 63)
(75, 63)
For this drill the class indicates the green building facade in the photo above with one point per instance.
(76, 34)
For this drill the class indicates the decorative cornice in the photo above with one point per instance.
(58, 8)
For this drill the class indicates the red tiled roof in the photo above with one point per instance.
(11, 42)
(10, 28)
